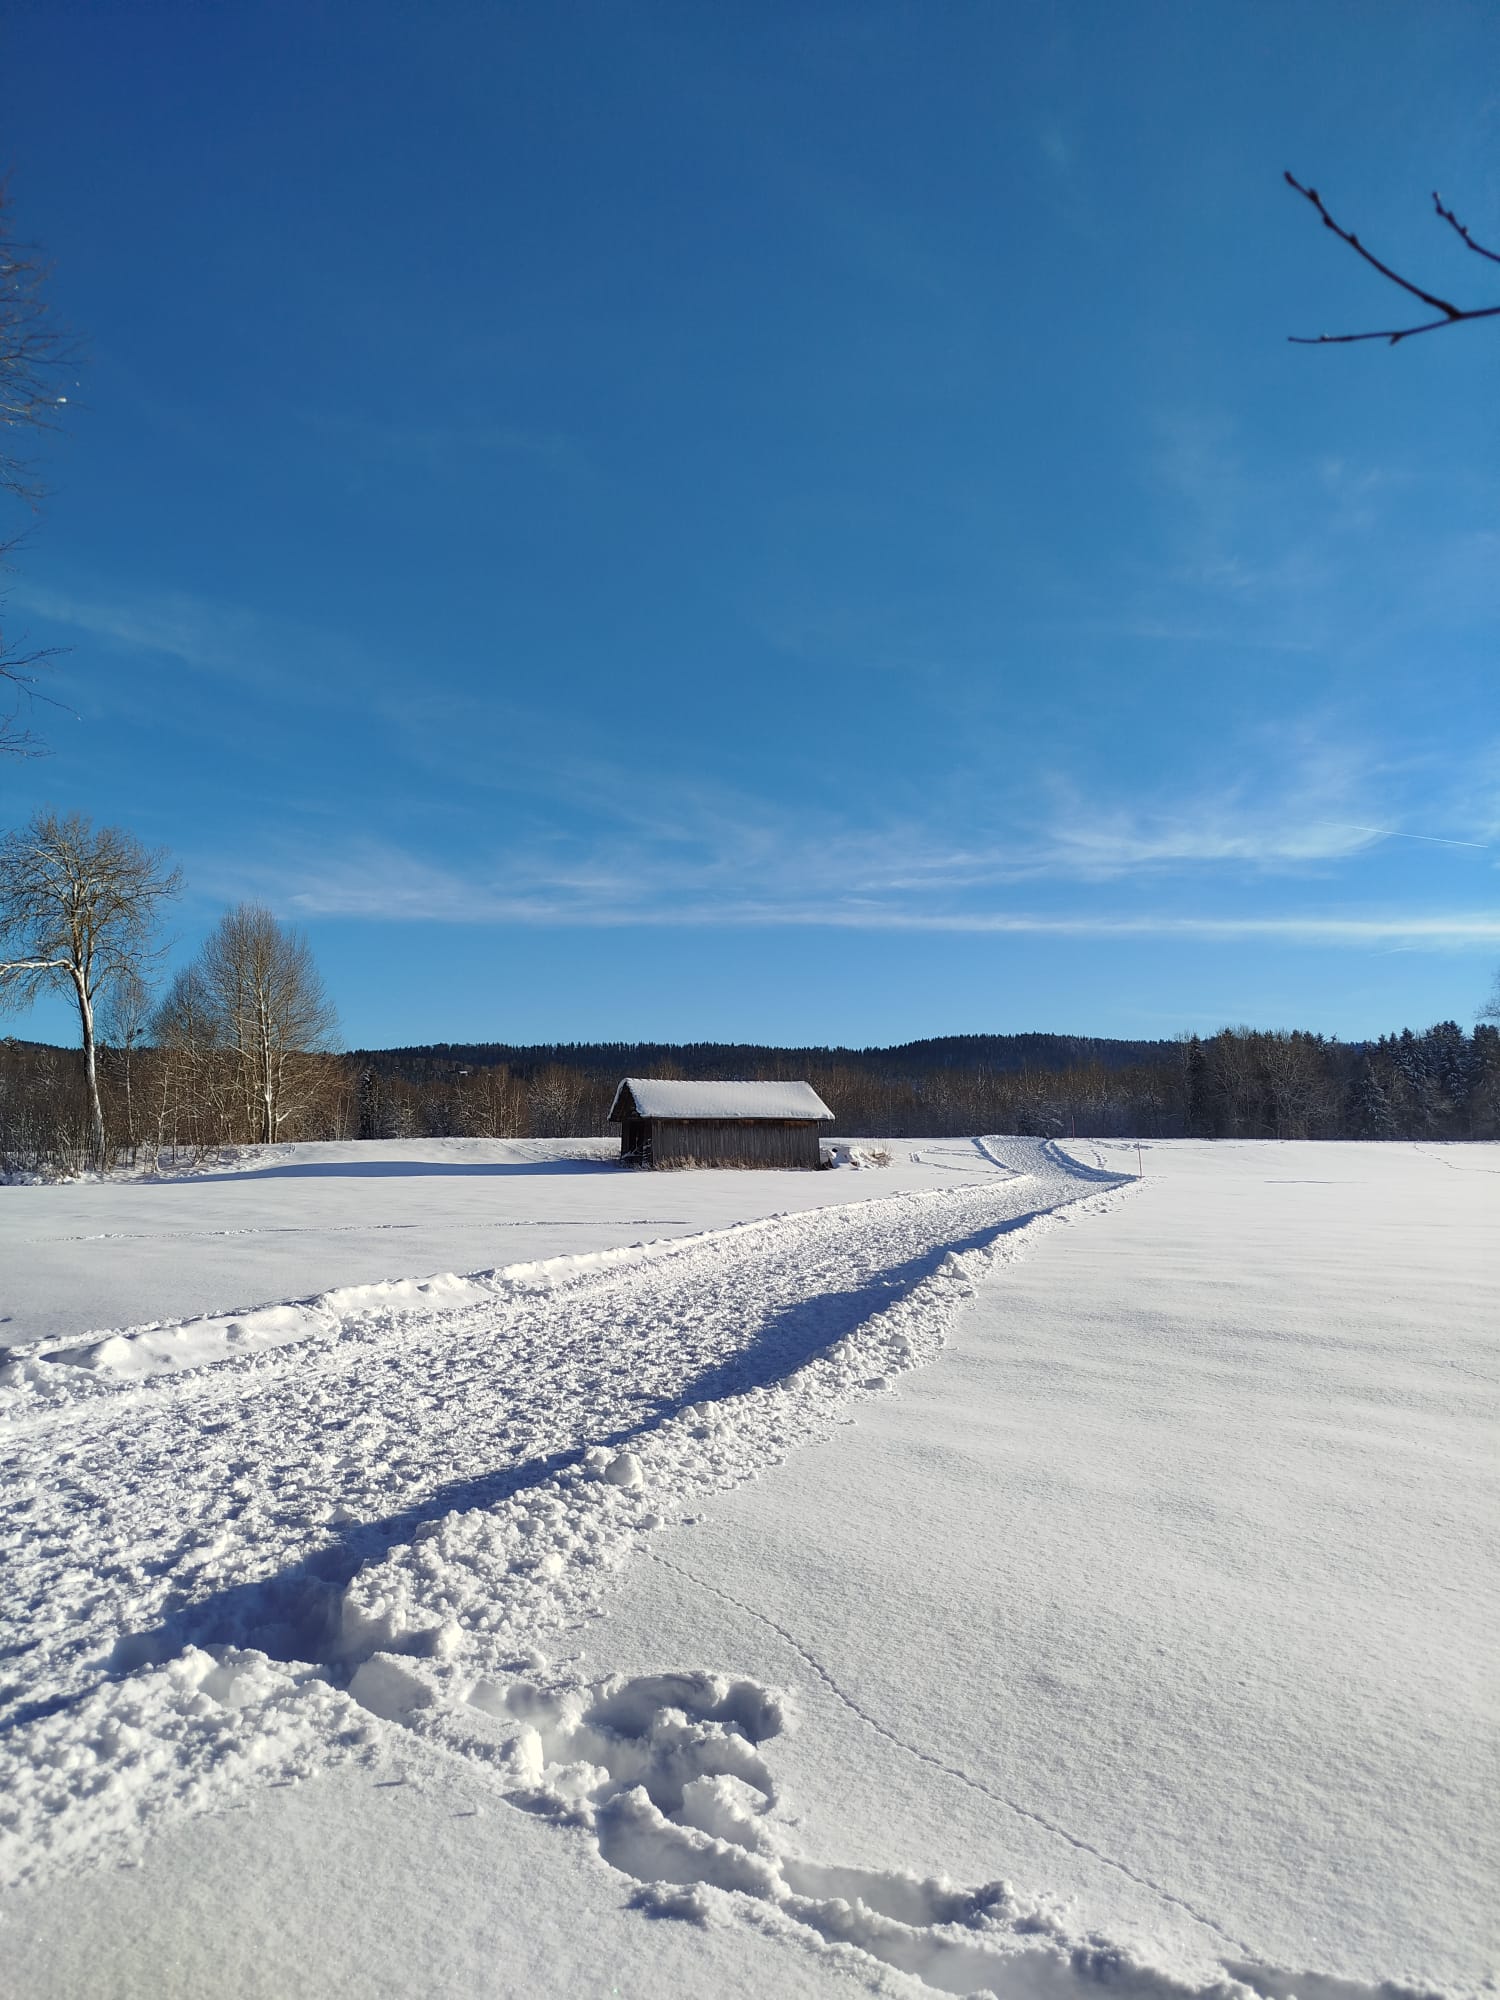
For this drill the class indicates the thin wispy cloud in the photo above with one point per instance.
(381, 884)
(683, 835)
(1259, 551)
(273, 656)
(184, 628)
(1303, 805)
(721, 861)
(1125, 843)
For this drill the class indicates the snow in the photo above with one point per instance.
(672, 1097)
(264, 1225)
(1210, 1639)
(1017, 1578)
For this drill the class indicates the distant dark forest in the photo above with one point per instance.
(1241, 1083)
(1003, 1054)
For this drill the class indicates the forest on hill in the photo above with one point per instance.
(1003, 1054)
(183, 1098)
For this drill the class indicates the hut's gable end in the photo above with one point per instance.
(624, 1108)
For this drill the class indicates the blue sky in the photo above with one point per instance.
(783, 522)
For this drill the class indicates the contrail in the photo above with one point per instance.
(1395, 833)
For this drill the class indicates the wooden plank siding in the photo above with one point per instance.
(720, 1142)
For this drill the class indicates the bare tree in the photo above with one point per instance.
(79, 907)
(36, 354)
(269, 1013)
(1450, 315)
(557, 1103)
(122, 1022)
(191, 1104)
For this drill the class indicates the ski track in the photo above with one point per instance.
(239, 1574)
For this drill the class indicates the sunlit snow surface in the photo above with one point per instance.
(1140, 1640)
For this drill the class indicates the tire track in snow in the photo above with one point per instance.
(954, 1771)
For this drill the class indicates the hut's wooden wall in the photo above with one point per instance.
(720, 1142)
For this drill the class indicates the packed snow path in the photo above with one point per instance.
(450, 1482)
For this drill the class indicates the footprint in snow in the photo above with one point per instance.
(669, 1773)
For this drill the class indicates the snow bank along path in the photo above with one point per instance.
(241, 1573)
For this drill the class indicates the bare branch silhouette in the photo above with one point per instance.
(1448, 216)
(1452, 315)
(37, 356)
(19, 669)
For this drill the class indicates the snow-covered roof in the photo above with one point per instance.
(672, 1097)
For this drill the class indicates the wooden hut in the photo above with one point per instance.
(666, 1122)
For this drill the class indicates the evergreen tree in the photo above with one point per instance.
(1370, 1113)
(1482, 1111)
(371, 1107)
(1447, 1059)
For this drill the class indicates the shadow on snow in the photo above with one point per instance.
(294, 1614)
(295, 1170)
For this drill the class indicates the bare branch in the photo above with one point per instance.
(36, 355)
(1393, 335)
(1452, 315)
(18, 669)
(1449, 217)
(1348, 236)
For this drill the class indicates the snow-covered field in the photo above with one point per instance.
(986, 1573)
(266, 1223)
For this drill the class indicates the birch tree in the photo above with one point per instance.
(270, 1014)
(79, 910)
(191, 1108)
(122, 1025)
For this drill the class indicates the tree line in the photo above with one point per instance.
(192, 1088)
(1242, 1083)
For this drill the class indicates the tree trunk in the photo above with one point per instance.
(267, 1076)
(91, 1073)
